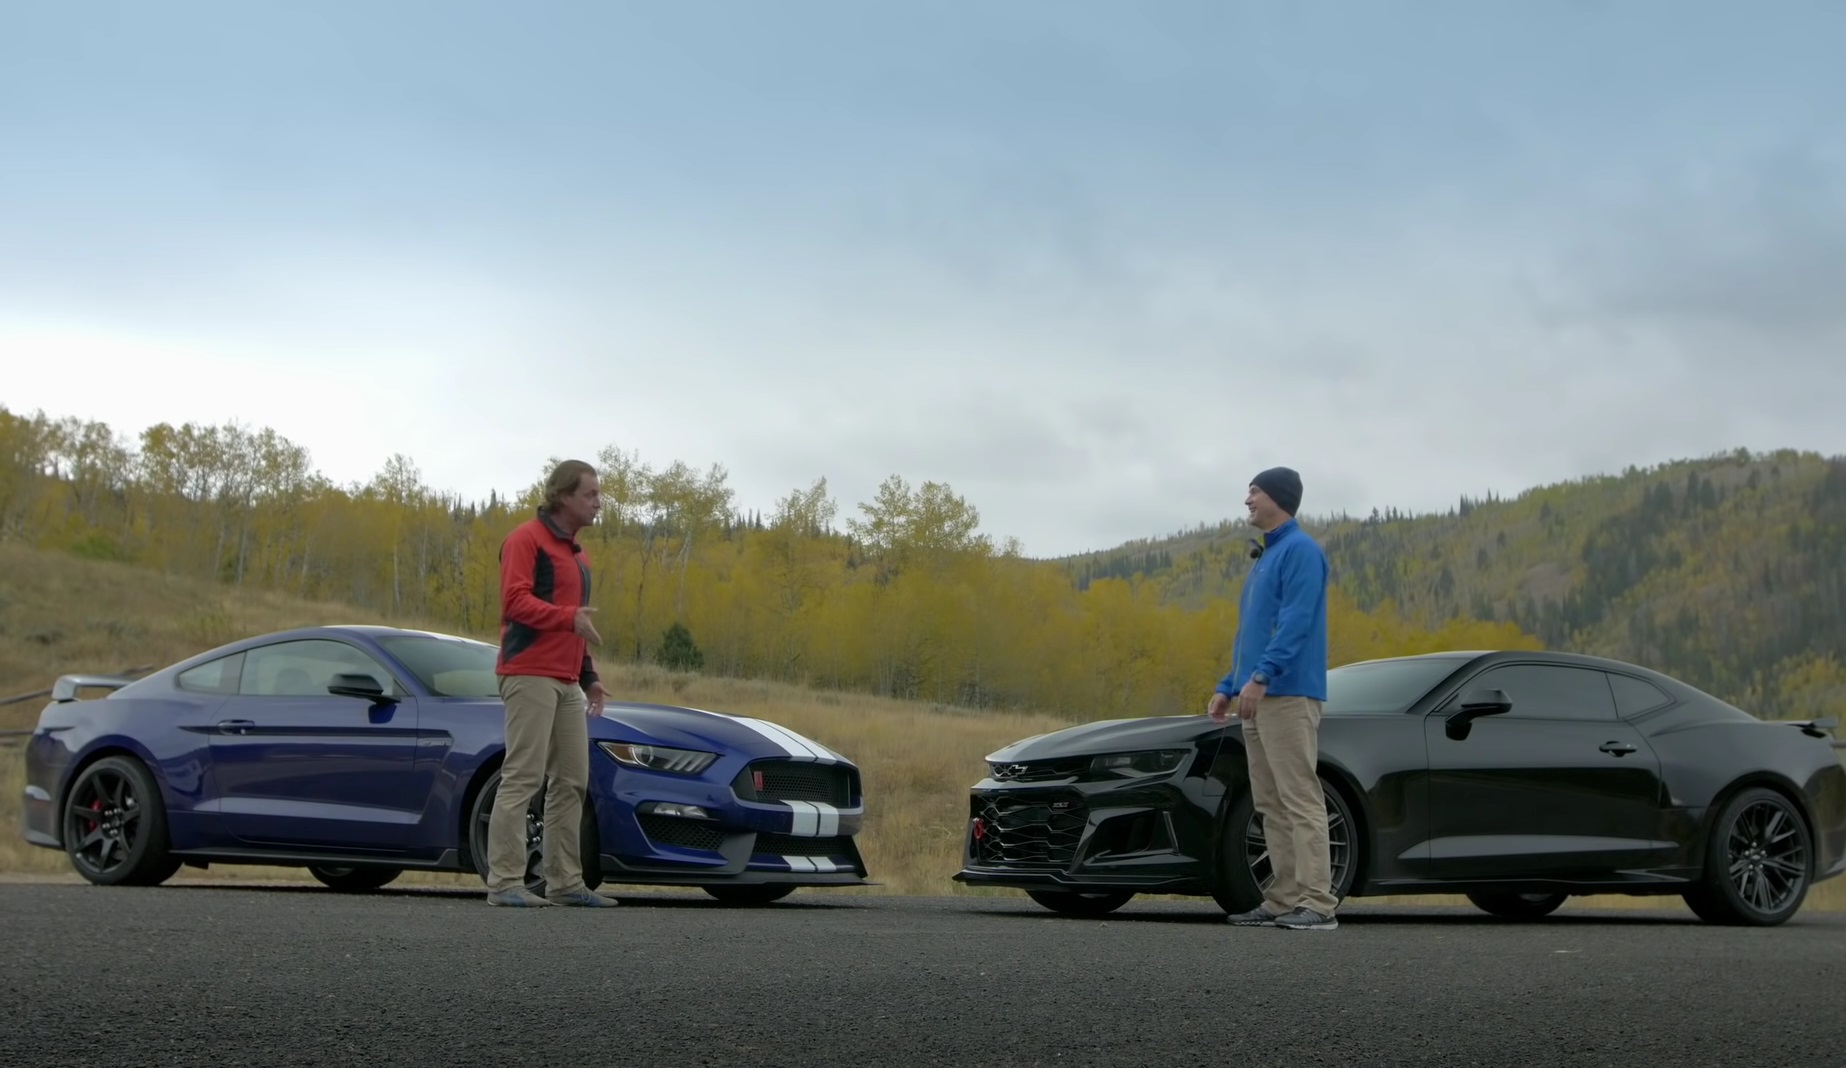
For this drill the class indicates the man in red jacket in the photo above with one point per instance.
(549, 685)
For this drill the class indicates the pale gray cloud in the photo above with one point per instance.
(1092, 271)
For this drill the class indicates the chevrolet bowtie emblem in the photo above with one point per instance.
(1009, 771)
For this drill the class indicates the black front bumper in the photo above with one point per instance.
(1152, 837)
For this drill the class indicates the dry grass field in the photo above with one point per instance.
(61, 614)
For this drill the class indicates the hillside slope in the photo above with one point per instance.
(1728, 571)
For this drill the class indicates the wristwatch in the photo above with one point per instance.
(1259, 678)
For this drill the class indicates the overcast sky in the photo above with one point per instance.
(1091, 267)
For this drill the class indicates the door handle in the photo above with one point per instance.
(1616, 748)
(235, 726)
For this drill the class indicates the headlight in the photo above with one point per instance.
(659, 757)
(1135, 765)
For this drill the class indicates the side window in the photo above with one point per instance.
(213, 676)
(306, 668)
(1547, 691)
(1634, 696)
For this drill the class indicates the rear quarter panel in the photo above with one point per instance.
(1706, 759)
(168, 735)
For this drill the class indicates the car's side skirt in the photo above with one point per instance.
(447, 860)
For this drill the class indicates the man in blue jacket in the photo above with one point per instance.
(1278, 682)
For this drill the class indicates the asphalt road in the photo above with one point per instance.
(200, 975)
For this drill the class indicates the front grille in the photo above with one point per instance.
(795, 845)
(788, 780)
(681, 833)
(1028, 832)
(1038, 770)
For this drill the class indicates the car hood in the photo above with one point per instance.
(717, 732)
(1110, 736)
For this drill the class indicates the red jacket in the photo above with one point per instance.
(543, 579)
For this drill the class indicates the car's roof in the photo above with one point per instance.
(371, 631)
(1543, 656)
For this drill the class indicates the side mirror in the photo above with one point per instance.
(355, 685)
(1474, 705)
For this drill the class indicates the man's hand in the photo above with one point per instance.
(1219, 709)
(1249, 698)
(595, 696)
(584, 628)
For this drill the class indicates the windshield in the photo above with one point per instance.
(447, 667)
(1383, 686)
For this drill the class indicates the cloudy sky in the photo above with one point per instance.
(1093, 268)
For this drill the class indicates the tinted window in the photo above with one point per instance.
(1634, 696)
(1545, 691)
(213, 676)
(448, 667)
(1386, 686)
(297, 669)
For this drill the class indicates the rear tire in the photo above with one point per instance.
(1759, 862)
(1087, 904)
(353, 879)
(115, 825)
(589, 846)
(1517, 906)
(749, 896)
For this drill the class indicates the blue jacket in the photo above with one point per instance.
(1282, 621)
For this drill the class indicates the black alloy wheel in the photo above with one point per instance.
(589, 849)
(1517, 906)
(1245, 872)
(115, 825)
(1758, 862)
(354, 878)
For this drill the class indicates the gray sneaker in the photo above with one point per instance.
(587, 898)
(1256, 917)
(1306, 919)
(518, 897)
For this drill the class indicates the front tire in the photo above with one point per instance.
(1244, 873)
(1517, 906)
(115, 825)
(1087, 904)
(1758, 862)
(749, 896)
(353, 879)
(589, 846)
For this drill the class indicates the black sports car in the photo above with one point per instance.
(1515, 778)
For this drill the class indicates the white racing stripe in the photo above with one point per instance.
(794, 744)
(810, 864)
(791, 744)
(807, 819)
(813, 819)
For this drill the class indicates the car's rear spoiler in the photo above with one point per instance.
(1819, 728)
(65, 689)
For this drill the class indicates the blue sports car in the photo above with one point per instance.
(362, 752)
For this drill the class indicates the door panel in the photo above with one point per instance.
(1557, 787)
(298, 767)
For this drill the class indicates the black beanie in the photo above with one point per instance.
(1283, 486)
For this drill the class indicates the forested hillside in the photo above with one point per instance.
(1728, 571)
(903, 596)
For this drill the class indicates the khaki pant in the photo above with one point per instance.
(1283, 743)
(546, 732)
